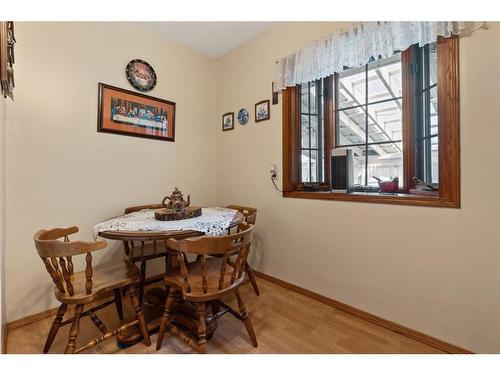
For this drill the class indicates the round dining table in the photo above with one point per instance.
(184, 313)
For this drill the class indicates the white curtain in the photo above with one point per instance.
(358, 45)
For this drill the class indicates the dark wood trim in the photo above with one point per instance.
(330, 125)
(52, 312)
(4, 338)
(408, 83)
(449, 119)
(33, 318)
(289, 140)
(401, 199)
(395, 327)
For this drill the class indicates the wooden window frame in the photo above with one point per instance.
(449, 140)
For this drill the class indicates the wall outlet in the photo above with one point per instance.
(273, 171)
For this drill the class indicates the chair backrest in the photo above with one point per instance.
(222, 247)
(128, 245)
(58, 255)
(249, 213)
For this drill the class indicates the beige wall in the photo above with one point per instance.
(2, 220)
(61, 172)
(434, 270)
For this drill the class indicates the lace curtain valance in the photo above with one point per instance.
(360, 44)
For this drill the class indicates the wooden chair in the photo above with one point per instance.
(250, 215)
(89, 286)
(206, 280)
(142, 251)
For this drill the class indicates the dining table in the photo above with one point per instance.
(143, 227)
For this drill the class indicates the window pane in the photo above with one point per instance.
(305, 166)
(434, 160)
(304, 126)
(359, 164)
(385, 121)
(433, 63)
(351, 126)
(313, 105)
(384, 79)
(385, 161)
(352, 87)
(314, 131)
(426, 128)
(433, 109)
(304, 99)
(314, 166)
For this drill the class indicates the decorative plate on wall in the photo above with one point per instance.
(243, 116)
(141, 75)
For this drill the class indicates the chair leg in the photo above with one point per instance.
(251, 276)
(73, 331)
(246, 319)
(202, 329)
(142, 281)
(56, 324)
(118, 303)
(139, 315)
(165, 318)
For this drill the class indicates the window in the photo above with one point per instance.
(398, 115)
(368, 114)
(426, 120)
(312, 147)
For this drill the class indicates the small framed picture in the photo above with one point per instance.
(228, 121)
(262, 111)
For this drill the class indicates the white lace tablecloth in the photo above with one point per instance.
(214, 221)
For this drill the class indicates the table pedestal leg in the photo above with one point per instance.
(184, 315)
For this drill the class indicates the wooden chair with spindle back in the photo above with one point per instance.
(250, 216)
(81, 288)
(142, 251)
(207, 279)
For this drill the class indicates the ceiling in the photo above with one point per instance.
(214, 39)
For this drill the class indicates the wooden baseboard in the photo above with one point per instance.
(32, 318)
(52, 312)
(395, 327)
(4, 339)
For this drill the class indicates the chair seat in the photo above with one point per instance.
(149, 250)
(106, 278)
(213, 267)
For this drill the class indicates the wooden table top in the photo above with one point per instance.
(151, 235)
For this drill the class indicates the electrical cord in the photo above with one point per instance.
(276, 187)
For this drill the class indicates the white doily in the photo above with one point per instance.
(214, 221)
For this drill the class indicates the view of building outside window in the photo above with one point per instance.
(369, 119)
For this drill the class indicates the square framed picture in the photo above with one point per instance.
(228, 121)
(130, 113)
(262, 111)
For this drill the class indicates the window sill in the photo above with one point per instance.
(402, 199)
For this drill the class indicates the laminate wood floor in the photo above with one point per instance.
(284, 322)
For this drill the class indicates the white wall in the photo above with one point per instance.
(2, 221)
(431, 269)
(62, 172)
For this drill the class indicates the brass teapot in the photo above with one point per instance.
(175, 201)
